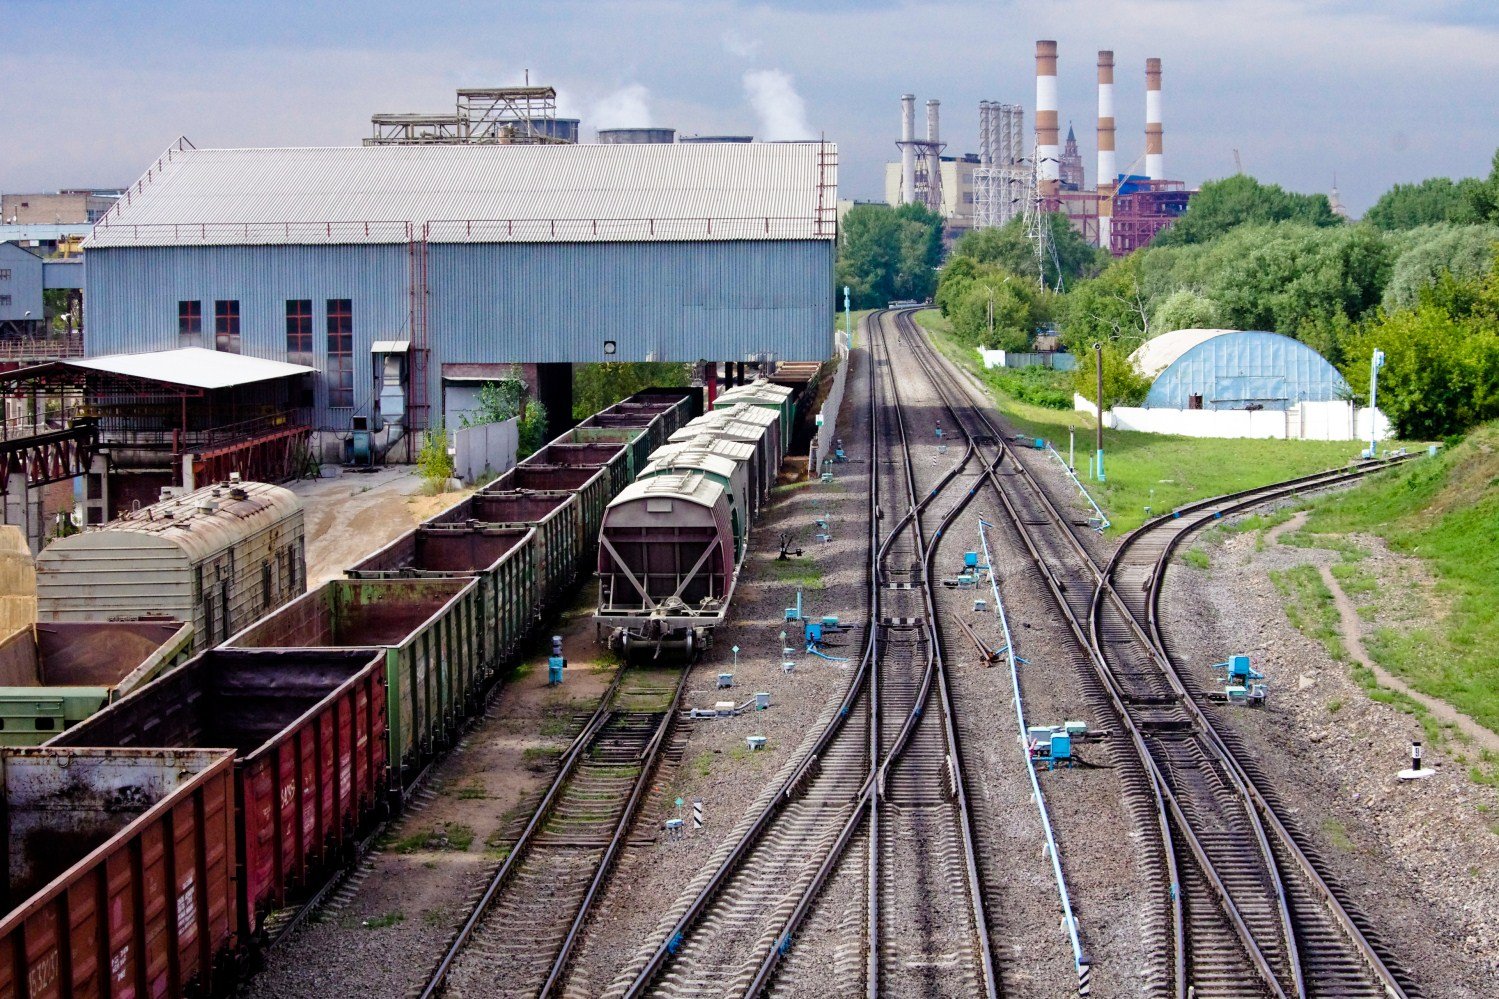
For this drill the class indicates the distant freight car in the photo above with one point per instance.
(434, 654)
(121, 870)
(307, 727)
(219, 558)
(55, 674)
(502, 558)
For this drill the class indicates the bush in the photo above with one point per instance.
(433, 461)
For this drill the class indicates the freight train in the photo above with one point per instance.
(149, 843)
(673, 542)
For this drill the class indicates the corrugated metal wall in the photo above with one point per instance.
(132, 297)
(559, 302)
(495, 303)
(23, 286)
(1235, 370)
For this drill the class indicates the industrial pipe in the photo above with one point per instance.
(1107, 167)
(1048, 154)
(1155, 161)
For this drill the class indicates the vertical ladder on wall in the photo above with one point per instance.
(417, 291)
(826, 223)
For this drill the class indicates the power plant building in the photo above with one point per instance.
(392, 269)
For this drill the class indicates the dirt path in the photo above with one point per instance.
(1353, 639)
(1348, 625)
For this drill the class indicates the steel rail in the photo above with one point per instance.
(1241, 501)
(539, 816)
(649, 759)
(934, 676)
(1093, 644)
(1155, 644)
(794, 782)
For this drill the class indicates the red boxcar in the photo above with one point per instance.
(120, 870)
(308, 730)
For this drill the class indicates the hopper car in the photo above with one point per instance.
(672, 544)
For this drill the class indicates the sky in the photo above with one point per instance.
(1370, 92)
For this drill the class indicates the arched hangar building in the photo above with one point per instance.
(405, 274)
(1235, 369)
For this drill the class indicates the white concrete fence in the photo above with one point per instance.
(489, 445)
(827, 417)
(1336, 420)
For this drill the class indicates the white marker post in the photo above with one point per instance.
(1417, 771)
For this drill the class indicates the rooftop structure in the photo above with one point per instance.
(476, 194)
(482, 115)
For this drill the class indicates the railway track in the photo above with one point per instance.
(560, 863)
(1247, 912)
(884, 762)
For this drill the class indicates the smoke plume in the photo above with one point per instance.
(783, 113)
(627, 107)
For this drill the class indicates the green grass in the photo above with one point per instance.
(1155, 470)
(384, 920)
(1337, 834)
(796, 572)
(1445, 512)
(1196, 558)
(1310, 607)
(1331, 542)
(1312, 611)
(456, 838)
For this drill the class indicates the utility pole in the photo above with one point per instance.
(848, 321)
(1098, 364)
(1376, 361)
(991, 318)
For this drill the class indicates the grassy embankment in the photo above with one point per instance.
(1154, 470)
(1444, 512)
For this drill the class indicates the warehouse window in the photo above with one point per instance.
(226, 325)
(298, 328)
(189, 318)
(4, 273)
(4, 300)
(340, 352)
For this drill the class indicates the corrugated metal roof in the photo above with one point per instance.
(693, 487)
(480, 193)
(193, 366)
(200, 523)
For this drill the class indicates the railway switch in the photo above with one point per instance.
(725, 681)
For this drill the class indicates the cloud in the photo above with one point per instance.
(783, 113)
(627, 107)
(736, 44)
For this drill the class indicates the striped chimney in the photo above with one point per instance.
(907, 150)
(934, 154)
(1107, 167)
(1155, 160)
(1048, 153)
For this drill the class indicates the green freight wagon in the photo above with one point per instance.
(434, 654)
(53, 675)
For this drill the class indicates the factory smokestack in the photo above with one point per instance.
(907, 150)
(933, 156)
(1107, 167)
(1048, 154)
(1155, 160)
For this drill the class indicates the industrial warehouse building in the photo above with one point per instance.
(402, 274)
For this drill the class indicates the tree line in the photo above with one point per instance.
(1415, 278)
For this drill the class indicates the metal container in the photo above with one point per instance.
(591, 485)
(767, 395)
(637, 135)
(307, 728)
(557, 549)
(217, 558)
(503, 559)
(635, 440)
(613, 457)
(54, 675)
(120, 870)
(732, 475)
(429, 628)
